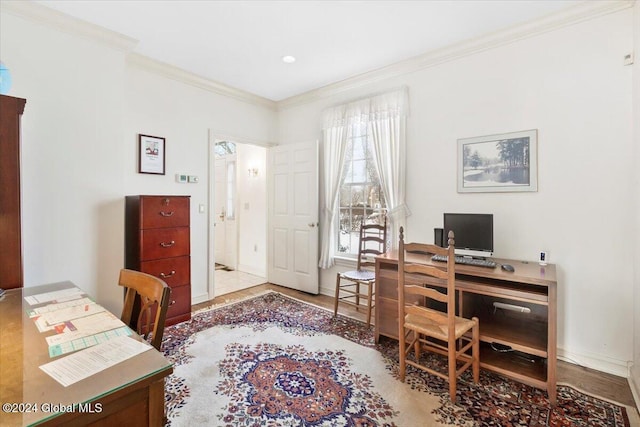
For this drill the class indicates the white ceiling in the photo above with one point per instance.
(241, 43)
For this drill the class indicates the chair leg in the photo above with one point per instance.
(357, 296)
(337, 296)
(475, 350)
(452, 371)
(401, 346)
(369, 302)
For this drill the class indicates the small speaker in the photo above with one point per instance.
(438, 237)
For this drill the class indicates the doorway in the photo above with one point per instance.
(238, 215)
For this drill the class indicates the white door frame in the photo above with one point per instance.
(215, 136)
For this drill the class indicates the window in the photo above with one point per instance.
(361, 199)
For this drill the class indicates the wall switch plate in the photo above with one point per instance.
(193, 178)
(628, 59)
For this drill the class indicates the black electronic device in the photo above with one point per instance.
(508, 267)
(473, 233)
(438, 237)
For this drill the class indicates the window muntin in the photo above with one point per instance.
(360, 199)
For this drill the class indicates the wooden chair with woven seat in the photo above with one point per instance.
(372, 241)
(422, 327)
(154, 295)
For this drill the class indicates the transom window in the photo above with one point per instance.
(361, 200)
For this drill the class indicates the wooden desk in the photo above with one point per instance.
(129, 393)
(531, 336)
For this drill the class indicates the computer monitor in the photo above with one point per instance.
(473, 233)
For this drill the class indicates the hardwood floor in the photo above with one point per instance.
(601, 384)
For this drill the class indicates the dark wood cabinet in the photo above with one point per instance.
(157, 242)
(11, 110)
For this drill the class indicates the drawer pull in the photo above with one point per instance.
(172, 302)
(164, 276)
(166, 213)
(167, 245)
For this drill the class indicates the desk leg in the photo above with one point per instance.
(552, 345)
(156, 403)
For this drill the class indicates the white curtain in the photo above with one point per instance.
(385, 115)
(388, 124)
(335, 132)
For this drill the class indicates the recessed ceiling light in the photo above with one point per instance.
(289, 59)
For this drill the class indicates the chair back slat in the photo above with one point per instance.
(371, 234)
(152, 295)
(426, 292)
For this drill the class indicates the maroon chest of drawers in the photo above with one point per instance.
(157, 242)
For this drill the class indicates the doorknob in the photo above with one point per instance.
(311, 224)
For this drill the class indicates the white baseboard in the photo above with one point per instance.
(252, 270)
(596, 361)
(635, 391)
(197, 299)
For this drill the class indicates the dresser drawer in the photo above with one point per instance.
(164, 243)
(180, 301)
(164, 211)
(174, 271)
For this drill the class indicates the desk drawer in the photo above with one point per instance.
(164, 243)
(164, 211)
(174, 271)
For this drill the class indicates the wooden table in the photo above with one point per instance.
(529, 336)
(130, 393)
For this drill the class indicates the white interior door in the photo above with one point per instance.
(293, 216)
(219, 214)
(224, 216)
(230, 220)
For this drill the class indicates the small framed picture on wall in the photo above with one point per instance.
(151, 154)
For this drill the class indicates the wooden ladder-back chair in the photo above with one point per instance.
(372, 242)
(154, 295)
(432, 329)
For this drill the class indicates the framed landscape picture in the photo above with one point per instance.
(151, 154)
(498, 163)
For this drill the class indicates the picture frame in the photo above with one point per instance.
(151, 154)
(506, 162)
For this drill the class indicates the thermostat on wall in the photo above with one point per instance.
(183, 179)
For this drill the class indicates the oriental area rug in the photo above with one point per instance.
(272, 360)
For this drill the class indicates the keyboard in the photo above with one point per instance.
(466, 261)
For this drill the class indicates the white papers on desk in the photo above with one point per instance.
(59, 296)
(78, 366)
(86, 326)
(71, 313)
(58, 306)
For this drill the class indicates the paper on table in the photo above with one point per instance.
(86, 326)
(70, 313)
(78, 366)
(61, 295)
(58, 306)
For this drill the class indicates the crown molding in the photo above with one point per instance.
(38, 13)
(178, 74)
(570, 16)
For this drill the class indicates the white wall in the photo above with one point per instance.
(569, 84)
(72, 171)
(252, 209)
(635, 371)
(183, 115)
(85, 107)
